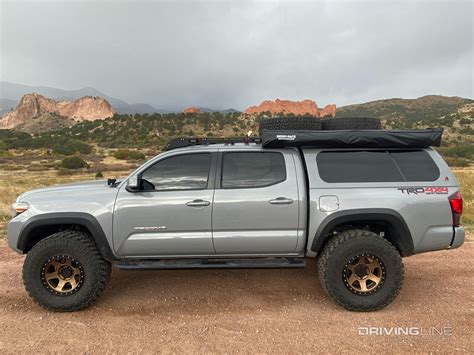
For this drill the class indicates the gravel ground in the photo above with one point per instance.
(243, 311)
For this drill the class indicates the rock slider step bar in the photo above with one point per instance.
(173, 264)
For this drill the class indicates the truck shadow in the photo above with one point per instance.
(237, 289)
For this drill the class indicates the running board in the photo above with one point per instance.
(173, 264)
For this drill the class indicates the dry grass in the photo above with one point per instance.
(466, 181)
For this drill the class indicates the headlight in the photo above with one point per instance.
(19, 207)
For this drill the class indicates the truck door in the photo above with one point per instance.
(174, 218)
(256, 203)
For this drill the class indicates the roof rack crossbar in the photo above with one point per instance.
(187, 142)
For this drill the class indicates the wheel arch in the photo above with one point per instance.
(41, 226)
(388, 220)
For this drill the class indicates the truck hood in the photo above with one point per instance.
(68, 190)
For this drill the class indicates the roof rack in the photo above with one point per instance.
(187, 142)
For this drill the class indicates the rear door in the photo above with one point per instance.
(256, 203)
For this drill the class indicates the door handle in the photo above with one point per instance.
(198, 203)
(281, 201)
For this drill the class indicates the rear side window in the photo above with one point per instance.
(376, 166)
(357, 166)
(416, 165)
(252, 169)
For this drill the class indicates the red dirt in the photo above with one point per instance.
(242, 311)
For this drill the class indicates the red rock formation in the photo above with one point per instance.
(191, 110)
(88, 108)
(328, 110)
(305, 107)
(298, 108)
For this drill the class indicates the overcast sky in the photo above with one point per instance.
(235, 54)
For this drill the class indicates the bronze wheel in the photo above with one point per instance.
(360, 270)
(364, 274)
(62, 275)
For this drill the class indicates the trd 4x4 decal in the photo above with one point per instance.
(437, 190)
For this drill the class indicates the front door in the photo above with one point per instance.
(173, 215)
(256, 203)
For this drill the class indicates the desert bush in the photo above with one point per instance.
(5, 153)
(11, 167)
(126, 154)
(74, 162)
(461, 151)
(64, 172)
(456, 162)
(99, 175)
(37, 167)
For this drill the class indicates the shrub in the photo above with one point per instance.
(73, 163)
(37, 167)
(456, 162)
(63, 172)
(99, 175)
(128, 154)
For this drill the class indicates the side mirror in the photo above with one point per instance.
(133, 184)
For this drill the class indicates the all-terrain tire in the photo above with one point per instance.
(305, 123)
(349, 123)
(351, 244)
(80, 247)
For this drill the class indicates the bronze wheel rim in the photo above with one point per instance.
(364, 274)
(62, 275)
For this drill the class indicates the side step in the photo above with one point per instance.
(173, 264)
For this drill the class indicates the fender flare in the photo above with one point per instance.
(58, 218)
(398, 228)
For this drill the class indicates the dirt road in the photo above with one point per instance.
(243, 311)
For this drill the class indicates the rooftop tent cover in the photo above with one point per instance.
(421, 138)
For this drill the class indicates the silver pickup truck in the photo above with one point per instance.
(359, 211)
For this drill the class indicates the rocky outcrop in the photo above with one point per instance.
(328, 110)
(304, 107)
(31, 106)
(298, 108)
(192, 110)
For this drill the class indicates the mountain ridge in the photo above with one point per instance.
(14, 92)
(33, 107)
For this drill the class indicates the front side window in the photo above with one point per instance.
(181, 172)
(252, 169)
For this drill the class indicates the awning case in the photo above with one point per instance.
(421, 138)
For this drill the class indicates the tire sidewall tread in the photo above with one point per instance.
(81, 246)
(304, 123)
(353, 242)
(351, 123)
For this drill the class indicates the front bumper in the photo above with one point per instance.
(458, 238)
(14, 228)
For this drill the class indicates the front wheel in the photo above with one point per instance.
(360, 270)
(65, 271)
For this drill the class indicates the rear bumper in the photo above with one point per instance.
(458, 238)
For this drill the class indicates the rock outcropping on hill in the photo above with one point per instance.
(299, 108)
(31, 106)
(192, 110)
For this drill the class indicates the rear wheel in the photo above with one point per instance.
(65, 271)
(360, 270)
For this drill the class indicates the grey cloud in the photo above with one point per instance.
(233, 54)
